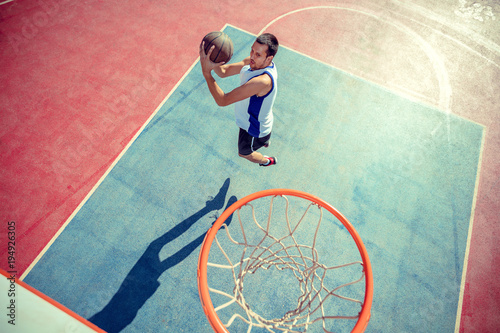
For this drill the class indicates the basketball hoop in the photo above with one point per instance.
(291, 246)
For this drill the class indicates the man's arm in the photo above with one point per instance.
(255, 86)
(231, 69)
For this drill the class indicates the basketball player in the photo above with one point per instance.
(253, 99)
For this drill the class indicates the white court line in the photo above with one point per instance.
(469, 236)
(61, 229)
(3, 3)
(445, 91)
(462, 30)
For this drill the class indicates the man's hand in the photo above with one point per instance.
(207, 65)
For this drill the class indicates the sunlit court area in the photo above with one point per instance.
(128, 204)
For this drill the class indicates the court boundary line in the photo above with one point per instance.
(458, 319)
(413, 99)
(6, 2)
(110, 168)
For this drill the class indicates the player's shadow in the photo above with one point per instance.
(142, 280)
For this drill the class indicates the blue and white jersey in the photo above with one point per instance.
(255, 114)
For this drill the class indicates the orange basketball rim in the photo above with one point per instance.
(203, 288)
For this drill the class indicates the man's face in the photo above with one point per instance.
(258, 56)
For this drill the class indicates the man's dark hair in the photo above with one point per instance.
(271, 41)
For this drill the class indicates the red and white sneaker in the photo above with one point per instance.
(271, 161)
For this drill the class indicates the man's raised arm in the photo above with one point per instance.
(231, 69)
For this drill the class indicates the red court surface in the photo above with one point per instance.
(79, 79)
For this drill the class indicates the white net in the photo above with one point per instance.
(281, 270)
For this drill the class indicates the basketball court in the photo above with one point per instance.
(383, 123)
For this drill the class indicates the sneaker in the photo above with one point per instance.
(272, 160)
(267, 144)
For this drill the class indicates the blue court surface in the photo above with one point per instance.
(403, 173)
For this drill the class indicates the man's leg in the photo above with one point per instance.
(255, 157)
(248, 145)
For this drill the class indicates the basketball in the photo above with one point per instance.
(223, 50)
